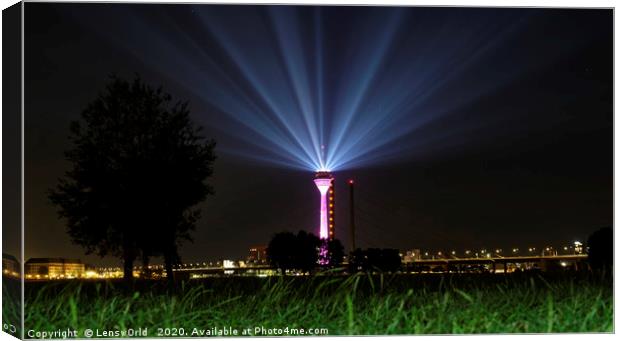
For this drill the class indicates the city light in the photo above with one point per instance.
(578, 247)
(323, 182)
(257, 264)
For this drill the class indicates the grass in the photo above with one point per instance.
(359, 305)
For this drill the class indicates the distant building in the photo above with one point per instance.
(412, 255)
(53, 268)
(258, 254)
(578, 248)
(10, 265)
(111, 272)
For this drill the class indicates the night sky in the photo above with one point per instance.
(463, 128)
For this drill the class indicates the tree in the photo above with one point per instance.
(358, 261)
(288, 251)
(281, 251)
(335, 252)
(601, 248)
(388, 260)
(138, 168)
(383, 260)
(307, 251)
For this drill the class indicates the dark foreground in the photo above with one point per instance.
(358, 305)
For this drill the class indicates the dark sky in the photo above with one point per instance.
(517, 150)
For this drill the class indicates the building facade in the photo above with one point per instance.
(54, 268)
(10, 266)
(258, 254)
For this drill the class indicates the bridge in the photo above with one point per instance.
(224, 270)
(454, 264)
(459, 263)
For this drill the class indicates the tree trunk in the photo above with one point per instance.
(129, 255)
(128, 259)
(168, 259)
(146, 273)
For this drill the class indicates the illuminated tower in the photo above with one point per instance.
(324, 182)
(331, 216)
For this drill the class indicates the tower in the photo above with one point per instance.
(324, 182)
(331, 214)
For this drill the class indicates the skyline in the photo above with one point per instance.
(409, 256)
(499, 151)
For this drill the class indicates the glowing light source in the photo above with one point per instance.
(323, 182)
(274, 87)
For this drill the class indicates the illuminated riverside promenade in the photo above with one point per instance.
(452, 265)
(448, 263)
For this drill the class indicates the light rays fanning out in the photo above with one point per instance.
(325, 88)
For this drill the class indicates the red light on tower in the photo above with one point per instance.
(351, 182)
